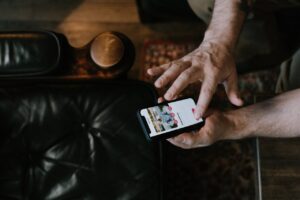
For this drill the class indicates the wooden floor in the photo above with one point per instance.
(81, 20)
(280, 169)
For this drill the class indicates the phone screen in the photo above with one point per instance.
(171, 116)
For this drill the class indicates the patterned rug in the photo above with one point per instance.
(226, 170)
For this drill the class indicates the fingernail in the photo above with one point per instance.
(169, 95)
(166, 98)
(239, 100)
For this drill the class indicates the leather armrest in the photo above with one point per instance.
(26, 53)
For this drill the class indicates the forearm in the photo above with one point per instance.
(226, 24)
(277, 117)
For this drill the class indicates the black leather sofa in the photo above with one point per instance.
(76, 140)
(68, 139)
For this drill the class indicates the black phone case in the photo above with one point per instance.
(146, 130)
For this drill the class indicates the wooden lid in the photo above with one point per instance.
(107, 50)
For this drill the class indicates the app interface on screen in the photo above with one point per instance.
(168, 117)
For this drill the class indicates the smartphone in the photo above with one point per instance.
(169, 119)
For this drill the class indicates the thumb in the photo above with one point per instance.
(232, 91)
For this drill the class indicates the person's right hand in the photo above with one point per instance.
(218, 126)
(212, 63)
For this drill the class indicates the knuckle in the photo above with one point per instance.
(183, 78)
(216, 69)
(175, 87)
(180, 65)
(197, 60)
(176, 64)
(206, 54)
(168, 74)
(212, 70)
(163, 79)
(185, 75)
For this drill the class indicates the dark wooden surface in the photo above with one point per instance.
(81, 20)
(280, 169)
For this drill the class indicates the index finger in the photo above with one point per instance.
(180, 83)
(208, 88)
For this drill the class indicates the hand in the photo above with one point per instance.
(218, 126)
(212, 63)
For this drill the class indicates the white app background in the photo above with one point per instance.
(169, 117)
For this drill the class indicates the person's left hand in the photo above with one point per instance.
(218, 126)
(212, 63)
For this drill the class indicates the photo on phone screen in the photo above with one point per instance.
(170, 117)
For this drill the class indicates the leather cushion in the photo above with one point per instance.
(76, 140)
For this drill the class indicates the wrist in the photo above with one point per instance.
(216, 47)
(238, 125)
(212, 37)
